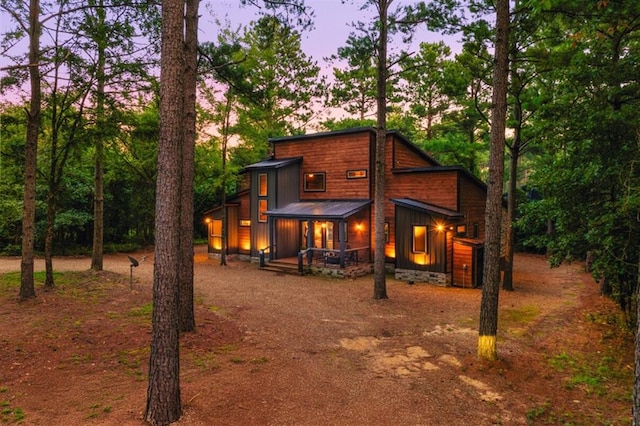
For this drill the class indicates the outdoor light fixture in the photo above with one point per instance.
(134, 264)
(439, 227)
(359, 226)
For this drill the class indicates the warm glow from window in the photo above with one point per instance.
(419, 239)
(262, 208)
(262, 185)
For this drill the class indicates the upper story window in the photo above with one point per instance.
(262, 185)
(357, 174)
(314, 182)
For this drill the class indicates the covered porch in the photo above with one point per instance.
(321, 236)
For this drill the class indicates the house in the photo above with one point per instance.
(311, 202)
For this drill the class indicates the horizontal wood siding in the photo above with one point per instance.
(472, 205)
(401, 155)
(435, 260)
(333, 156)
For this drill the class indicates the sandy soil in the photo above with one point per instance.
(275, 349)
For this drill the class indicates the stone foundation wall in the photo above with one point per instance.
(438, 278)
(348, 272)
(242, 257)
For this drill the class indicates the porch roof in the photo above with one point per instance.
(319, 209)
(428, 208)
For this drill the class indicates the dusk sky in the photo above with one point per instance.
(332, 23)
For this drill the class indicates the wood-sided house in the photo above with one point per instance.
(312, 200)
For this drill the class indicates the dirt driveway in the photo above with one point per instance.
(275, 349)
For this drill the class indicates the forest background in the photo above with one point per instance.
(573, 126)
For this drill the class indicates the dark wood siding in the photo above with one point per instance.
(260, 230)
(435, 260)
(287, 184)
(288, 233)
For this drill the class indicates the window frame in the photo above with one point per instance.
(305, 185)
(415, 248)
(263, 206)
(263, 185)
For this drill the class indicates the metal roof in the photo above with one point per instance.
(426, 207)
(273, 163)
(319, 209)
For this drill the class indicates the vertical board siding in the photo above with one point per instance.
(287, 182)
(435, 260)
(472, 205)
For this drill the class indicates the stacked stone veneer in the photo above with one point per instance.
(348, 272)
(438, 278)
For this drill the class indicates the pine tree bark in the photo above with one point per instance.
(187, 315)
(163, 392)
(636, 382)
(488, 328)
(27, 287)
(379, 273)
(98, 160)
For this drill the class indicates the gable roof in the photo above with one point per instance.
(427, 208)
(319, 209)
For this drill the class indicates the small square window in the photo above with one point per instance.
(314, 182)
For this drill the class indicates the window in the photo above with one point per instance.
(245, 222)
(262, 184)
(216, 234)
(461, 230)
(357, 174)
(420, 239)
(262, 208)
(314, 182)
(386, 232)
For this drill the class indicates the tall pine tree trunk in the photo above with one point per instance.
(163, 392)
(187, 315)
(27, 287)
(98, 160)
(636, 382)
(379, 273)
(488, 329)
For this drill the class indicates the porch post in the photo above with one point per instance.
(272, 237)
(310, 233)
(342, 238)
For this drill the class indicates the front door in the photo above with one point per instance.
(322, 234)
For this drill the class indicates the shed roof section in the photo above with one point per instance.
(273, 163)
(428, 208)
(319, 209)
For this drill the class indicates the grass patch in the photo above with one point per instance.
(518, 317)
(592, 376)
(10, 414)
(145, 311)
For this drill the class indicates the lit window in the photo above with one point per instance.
(419, 239)
(216, 234)
(357, 174)
(262, 185)
(314, 182)
(262, 207)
